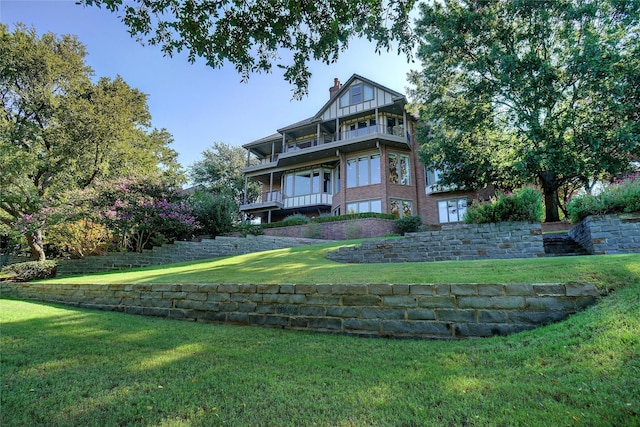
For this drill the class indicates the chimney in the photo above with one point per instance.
(336, 87)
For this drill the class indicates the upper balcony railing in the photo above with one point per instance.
(308, 143)
(368, 130)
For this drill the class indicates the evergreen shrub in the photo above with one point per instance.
(524, 204)
(31, 270)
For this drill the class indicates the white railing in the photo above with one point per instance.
(308, 200)
(308, 143)
(368, 130)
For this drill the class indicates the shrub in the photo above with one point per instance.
(214, 213)
(619, 197)
(295, 220)
(80, 238)
(408, 224)
(524, 204)
(246, 229)
(32, 270)
(347, 217)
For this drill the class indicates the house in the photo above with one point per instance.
(357, 154)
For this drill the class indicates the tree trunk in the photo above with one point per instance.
(551, 207)
(35, 244)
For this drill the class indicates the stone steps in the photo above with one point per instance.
(562, 245)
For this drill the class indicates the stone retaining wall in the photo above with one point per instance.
(608, 234)
(176, 252)
(452, 242)
(394, 310)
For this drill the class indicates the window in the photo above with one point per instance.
(432, 179)
(401, 208)
(364, 170)
(452, 210)
(356, 94)
(307, 182)
(399, 170)
(365, 206)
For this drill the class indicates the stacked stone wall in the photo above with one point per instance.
(176, 252)
(608, 234)
(461, 242)
(393, 310)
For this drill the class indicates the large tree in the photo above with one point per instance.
(254, 35)
(529, 91)
(59, 130)
(220, 172)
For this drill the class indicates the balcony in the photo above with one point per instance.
(274, 200)
(308, 143)
(349, 141)
(267, 201)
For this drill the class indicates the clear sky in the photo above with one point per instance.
(197, 104)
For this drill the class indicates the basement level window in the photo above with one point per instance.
(452, 210)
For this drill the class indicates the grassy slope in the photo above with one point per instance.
(308, 265)
(64, 366)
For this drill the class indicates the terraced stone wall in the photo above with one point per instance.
(459, 242)
(393, 310)
(608, 234)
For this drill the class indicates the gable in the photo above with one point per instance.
(356, 95)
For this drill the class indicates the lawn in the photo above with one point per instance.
(308, 265)
(70, 367)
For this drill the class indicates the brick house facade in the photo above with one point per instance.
(357, 154)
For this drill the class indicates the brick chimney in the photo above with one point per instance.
(336, 87)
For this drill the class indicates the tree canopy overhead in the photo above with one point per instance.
(529, 91)
(253, 35)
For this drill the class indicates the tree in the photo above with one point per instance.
(253, 35)
(220, 172)
(529, 91)
(59, 130)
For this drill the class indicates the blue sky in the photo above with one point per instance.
(199, 105)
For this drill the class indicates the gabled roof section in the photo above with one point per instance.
(304, 122)
(335, 98)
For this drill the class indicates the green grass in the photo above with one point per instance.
(304, 265)
(71, 367)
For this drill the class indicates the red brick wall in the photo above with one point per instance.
(338, 230)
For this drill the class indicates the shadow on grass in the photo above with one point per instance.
(63, 366)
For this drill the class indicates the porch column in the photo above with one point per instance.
(405, 124)
(270, 187)
(318, 134)
(378, 128)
